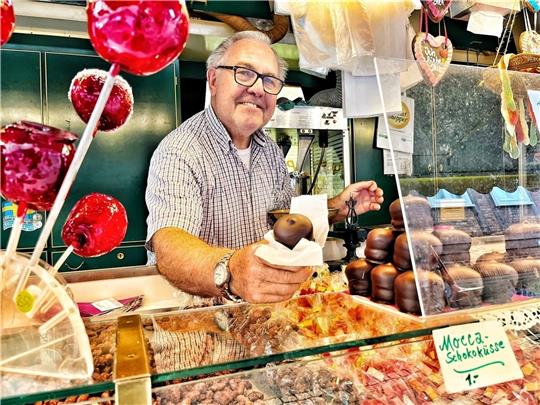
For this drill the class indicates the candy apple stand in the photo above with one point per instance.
(437, 300)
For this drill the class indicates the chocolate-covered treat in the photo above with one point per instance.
(402, 256)
(466, 287)
(425, 247)
(290, 228)
(405, 293)
(382, 282)
(499, 281)
(453, 240)
(432, 292)
(396, 215)
(523, 240)
(492, 257)
(456, 258)
(379, 244)
(359, 278)
(528, 276)
(418, 212)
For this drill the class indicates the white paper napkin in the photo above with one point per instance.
(315, 207)
(305, 253)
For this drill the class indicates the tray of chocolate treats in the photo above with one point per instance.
(430, 269)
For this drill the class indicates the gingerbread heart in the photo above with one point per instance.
(529, 42)
(433, 54)
(436, 9)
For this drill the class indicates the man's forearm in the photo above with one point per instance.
(186, 261)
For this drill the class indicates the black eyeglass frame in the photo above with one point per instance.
(258, 75)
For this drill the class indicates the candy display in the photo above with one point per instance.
(34, 159)
(522, 240)
(382, 282)
(455, 245)
(7, 20)
(358, 274)
(528, 276)
(380, 245)
(290, 228)
(96, 225)
(405, 293)
(141, 36)
(466, 287)
(499, 281)
(84, 92)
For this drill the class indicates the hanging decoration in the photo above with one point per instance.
(433, 54)
(436, 9)
(516, 130)
(529, 40)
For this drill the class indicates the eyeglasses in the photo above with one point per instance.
(247, 77)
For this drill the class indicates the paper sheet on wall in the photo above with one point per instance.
(361, 97)
(401, 128)
(403, 162)
(534, 98)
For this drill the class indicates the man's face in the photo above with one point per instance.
(243, 110)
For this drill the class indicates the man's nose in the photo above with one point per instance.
(257, 87)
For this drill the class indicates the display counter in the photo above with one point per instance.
(323, 348)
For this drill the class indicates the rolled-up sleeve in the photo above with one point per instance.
(173, 193)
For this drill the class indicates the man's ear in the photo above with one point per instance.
(211, 78)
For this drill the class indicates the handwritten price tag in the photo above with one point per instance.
(475, 355)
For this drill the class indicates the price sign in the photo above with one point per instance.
(475, 355)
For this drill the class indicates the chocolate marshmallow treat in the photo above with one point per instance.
(359, 277)
(382, 283)
(499, 281)
(379, 245)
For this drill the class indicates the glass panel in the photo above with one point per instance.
(471, 205)
(403, 372)
(194, 342)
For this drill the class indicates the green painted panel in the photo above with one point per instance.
(368, 165)
(256, 9)
(20, 86)
(117, 162)
(20, 98)
(119, 257)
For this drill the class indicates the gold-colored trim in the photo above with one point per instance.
(132, 359)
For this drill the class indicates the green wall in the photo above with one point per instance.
(35, 75)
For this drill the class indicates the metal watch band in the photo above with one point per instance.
(226, 288)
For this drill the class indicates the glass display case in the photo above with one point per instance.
(329, 347)
(470, 190)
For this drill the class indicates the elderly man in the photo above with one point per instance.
(213, 180)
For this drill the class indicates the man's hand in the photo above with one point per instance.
(367, 195)
(257, 282)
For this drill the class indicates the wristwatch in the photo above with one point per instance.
(222, 278)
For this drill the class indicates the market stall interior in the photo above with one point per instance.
(438, 102)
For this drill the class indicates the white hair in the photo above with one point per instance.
(216, 57)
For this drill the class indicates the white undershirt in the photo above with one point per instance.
(245, 155)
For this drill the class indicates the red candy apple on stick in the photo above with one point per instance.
(139, 37)
(34, 159)
(7, 20)
(96, 225)
(84, 93)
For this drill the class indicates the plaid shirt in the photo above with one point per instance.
(197, 182)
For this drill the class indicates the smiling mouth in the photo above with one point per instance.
(253, 105)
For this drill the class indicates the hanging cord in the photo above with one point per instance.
(526, 20)
(507, 28)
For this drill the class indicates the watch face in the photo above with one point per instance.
(221, 275)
